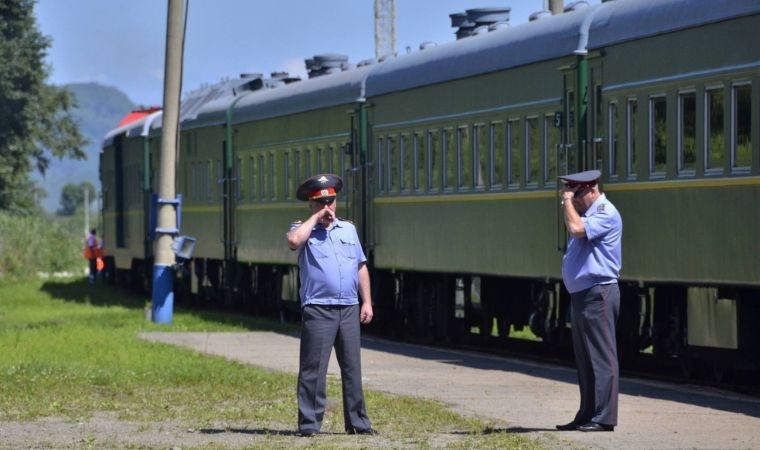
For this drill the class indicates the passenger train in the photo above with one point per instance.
(450, 156)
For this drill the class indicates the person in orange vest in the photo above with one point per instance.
(91, 251)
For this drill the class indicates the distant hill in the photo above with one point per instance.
(100, 108)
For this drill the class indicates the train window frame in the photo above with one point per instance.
(419, 171)
(653, 99)
(613, 140)
(433, 137)
(308, 162)
(481, 156)
(736, 169)
(500, 149)
(514, 129)
(286, 188)
(680, 149)
(262, 180)
(272, 176)
(252, 177)
(392, 164)
(448, 170)
(380, 164)
(464, 159)
(549, 178)
(344, 155)
(319, 159)
(331, 159)
(531, 178)
(631, 127)
(406, 164)
(710, 169)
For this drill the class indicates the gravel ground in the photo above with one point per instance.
(529, 397)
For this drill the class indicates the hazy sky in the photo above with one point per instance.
(121, 42)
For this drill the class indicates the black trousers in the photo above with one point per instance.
(594, 315)
(322, 328)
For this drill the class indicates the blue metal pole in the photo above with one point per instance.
(163, 293)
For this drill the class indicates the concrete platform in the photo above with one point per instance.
(531, 398)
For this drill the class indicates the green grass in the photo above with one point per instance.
(70, 350)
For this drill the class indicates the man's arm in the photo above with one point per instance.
(366, 313)
(573, 220)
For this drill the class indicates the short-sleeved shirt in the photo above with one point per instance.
(596, 258)
(329, 265)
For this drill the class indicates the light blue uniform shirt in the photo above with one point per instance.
(596, 258)
(329, 265)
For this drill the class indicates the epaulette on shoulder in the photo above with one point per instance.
(345, 220)
(296, 222)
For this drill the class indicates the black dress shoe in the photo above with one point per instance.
(572, 426)
(593, 426)
(362, 431)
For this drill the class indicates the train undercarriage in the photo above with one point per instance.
(707, 333)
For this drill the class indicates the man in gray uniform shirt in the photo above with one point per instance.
(590, 270)
(333, 270)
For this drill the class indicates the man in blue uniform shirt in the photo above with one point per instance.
(333, 274)
(590, 269)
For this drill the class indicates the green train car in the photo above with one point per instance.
(451, 155)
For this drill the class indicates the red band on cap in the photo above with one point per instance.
(319, 193)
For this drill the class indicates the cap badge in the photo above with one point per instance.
(322, 179)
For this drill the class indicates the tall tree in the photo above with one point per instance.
(72, 197)
(35, 118)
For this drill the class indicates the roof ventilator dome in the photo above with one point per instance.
(325, 64)
(575, 6)
(480, 20)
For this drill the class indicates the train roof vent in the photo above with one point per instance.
(325, 64)
(539, 15)
(427, 44)
(284, 77)
(366, 62)
(463, 24)
(575, 6)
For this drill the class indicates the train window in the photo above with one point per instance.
(515, 152)
(630, 137)
(433, 160)
(207, 180)
(331, 159)
(449, 159)
(551, 148)
(480, 145)
(297, 176)
(687, 133)
(261, 167)
(612, 136)
(497, 148)
(406, 151)
(220, 176)
(251, 178)
(286, 186)
(380, 165)
(307, 163)
(420, 163)
(658, 136)
(714, 127)
(532, 150)
(392, 163)
(272, 178)
(239, 179)
(190, 182)
(320, 166)
(741, 125)
(464, 158)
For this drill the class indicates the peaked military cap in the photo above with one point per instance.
(319, 186)
(588, 178)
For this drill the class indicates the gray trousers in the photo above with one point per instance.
(322, 328)
(594, 314)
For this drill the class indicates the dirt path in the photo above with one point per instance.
(531, 397)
